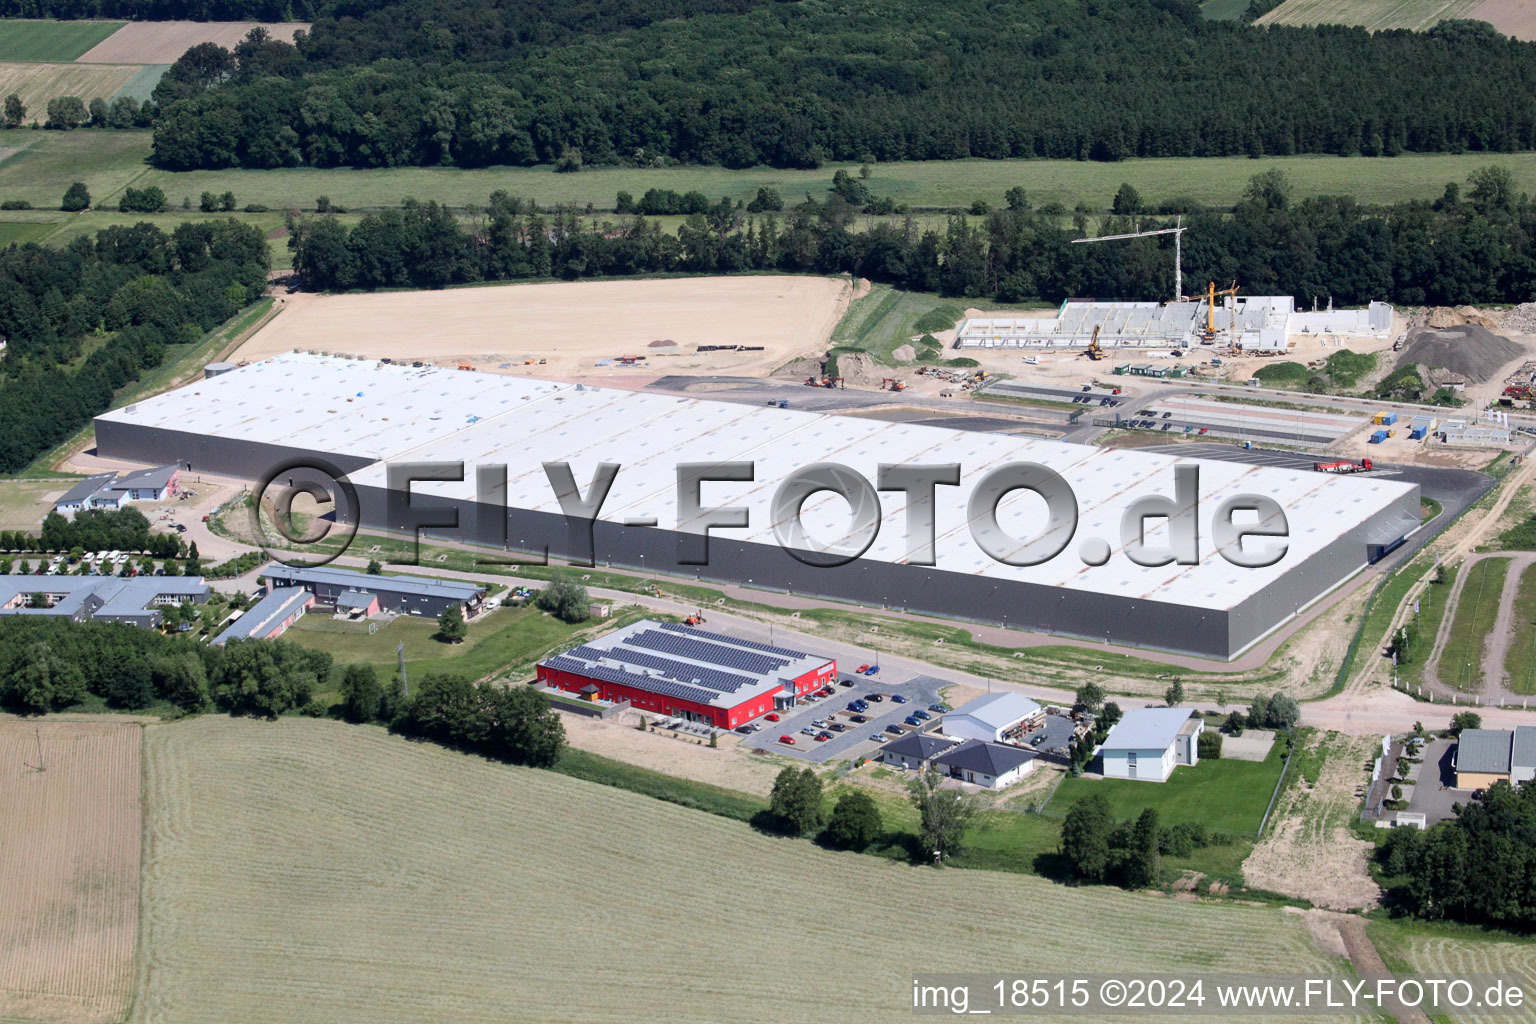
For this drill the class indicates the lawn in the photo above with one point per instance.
(1223, 10)
(1461, 661)
(51, 40)
(24, 503)
(508, 640)
(108, 160)
(1520, 658)
(1224, 796)
(311, 870)
(1431, 614)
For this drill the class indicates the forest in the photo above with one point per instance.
(739, 83)
(84, 320)
(1470, 246)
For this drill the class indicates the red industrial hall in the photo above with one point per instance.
(688, 673)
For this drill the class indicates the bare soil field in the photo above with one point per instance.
(1309, 852)
(1515, 18)
(162, 42)
(573, 326)
(730, 764)
(36, 84)
(69, 869)
(309, 870)
(1373, 15)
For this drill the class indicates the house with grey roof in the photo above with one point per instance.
(135, 600)
(993, 717)
(403, 595)
(992, 765)
(108, 491)
(1148, 743)
(1485, 756)
(270, 617)
(915, 750)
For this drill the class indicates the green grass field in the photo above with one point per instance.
(508, 640)
(24, 503)
(1520, 658)
(1223, 10)
(1462, 659)
(1373, 15)
(107, 161)
(1225, 795)
(51, 40)
(1431, 614)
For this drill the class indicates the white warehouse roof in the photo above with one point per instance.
(1146, 729)
(998, 710)
(388, 411)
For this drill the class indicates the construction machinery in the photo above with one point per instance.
(465, 366)
(893, 384)
(1343, 466)
(1208, 336)
(1093, 351)
(1178, 250)
(824, 382)
(695, 619)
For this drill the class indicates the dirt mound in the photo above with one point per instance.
(662, 343)
(904, 354)
(1444, 316)
(858, 370)
(799, 369)
(1469, 350)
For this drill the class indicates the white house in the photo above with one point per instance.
(1149, 742)
(109, 492)
(992, 765)
(992, 717)
(914, 750)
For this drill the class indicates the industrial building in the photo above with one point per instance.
(1486, 756)
(355, 416)
(1465, 433)
(1148, 743)
(134, 600)
(107, 490)
(688, 673)
(994, 717)
(270, 617)
(348, 591)
(1256, 324)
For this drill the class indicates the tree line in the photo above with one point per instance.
(1468, 246)
(86, 319)
(738, 83)
(49, 664)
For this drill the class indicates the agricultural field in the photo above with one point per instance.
(29, 40)
(1223, 10)
(162, 42)
(1512, 17)
(1477, 609)
(69, 869)
(24, 503)
(349, 880)
(38, 83)
(1448, 951)
(572, 325)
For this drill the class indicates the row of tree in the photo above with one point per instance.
(96, 529)
(745, 82)
(65, 113)
(1462, 248)
(136, 292)
(797, 807)
(1098, 848)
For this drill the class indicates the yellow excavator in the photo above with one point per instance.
(1094, 352)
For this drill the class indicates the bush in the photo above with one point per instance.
(1236, 721)
(149, 199)
(1209, 746)
(255, 208)
(76, 198)
(855, 821)
(15, 204)
(565, 599)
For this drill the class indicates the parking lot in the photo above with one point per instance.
(856, 738)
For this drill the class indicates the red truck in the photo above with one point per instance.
(1343, 466)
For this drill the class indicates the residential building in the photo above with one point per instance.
(1148, 743)
(991, 765)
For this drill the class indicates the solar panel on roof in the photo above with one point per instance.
(725, 682)
(651, 684)
(721, 637)
(715, 654)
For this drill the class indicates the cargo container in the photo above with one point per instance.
(1388, 418)
(1379, 436)
(1418, 432)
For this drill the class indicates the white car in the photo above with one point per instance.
(120, 559)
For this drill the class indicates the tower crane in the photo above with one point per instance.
(1178, 250)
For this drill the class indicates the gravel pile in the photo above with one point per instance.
(1470, 351)
(1521, 319)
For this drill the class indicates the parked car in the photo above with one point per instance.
(787, 739)
(756, 726)
(807, 731)
(893, 729)
(823, 736)
(745, 730)
(857, 705)
(772, 716)
(872, 670)
(858, 718)
(1168, 415)
(912, 720)
(181, 528)
(897, 698)
(837, 727)
(862, 669)
(877, 737)
(826, 691)
(921, 715)
(820, 723)
(845, 682)
(937, 708)
(875, 697)
(1204, 429)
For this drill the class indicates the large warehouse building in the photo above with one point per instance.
(358, 415)
(688, 673)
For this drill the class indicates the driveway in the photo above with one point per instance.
(919, 690)
(1434, 782)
